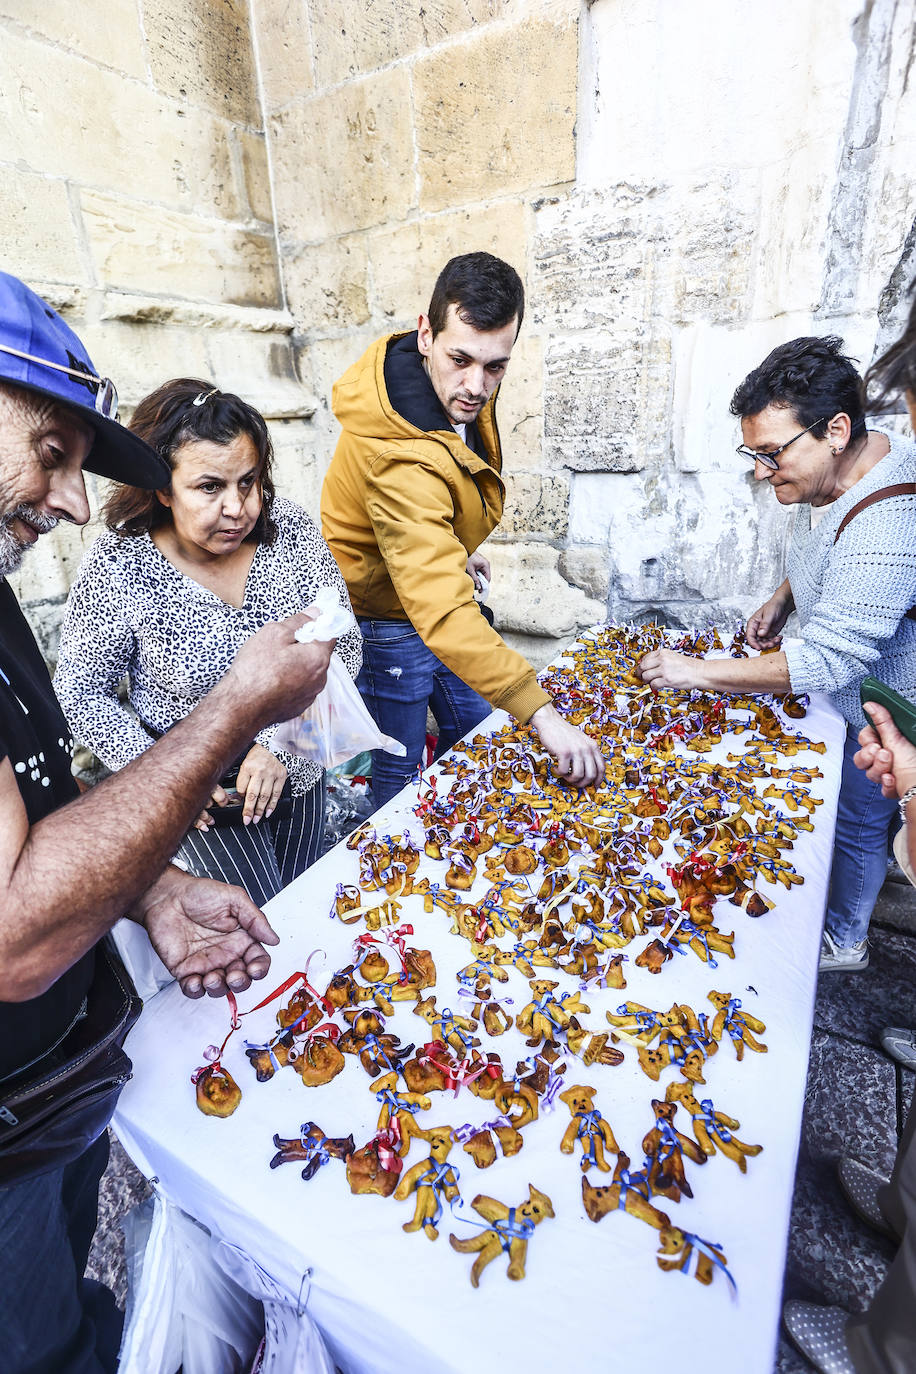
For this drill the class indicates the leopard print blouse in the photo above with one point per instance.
(130, 611)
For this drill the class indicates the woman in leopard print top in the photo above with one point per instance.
(167, 596)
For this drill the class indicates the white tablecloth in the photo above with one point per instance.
(593, 1299)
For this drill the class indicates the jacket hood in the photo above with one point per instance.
(386, 395)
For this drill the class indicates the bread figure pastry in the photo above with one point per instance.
(713, 1130)
(373, 1169)
(737, 1024)
(399, 1111)
(318, 1061)
(509, 1231)
(432, 1180)
(588, 1126)
(664, 1147)
(311, 1147)
(218, 1094)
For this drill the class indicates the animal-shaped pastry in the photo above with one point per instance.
(312, 1147)
(713, 1130)
(664, 1147)
(431, 1180)
(588, 1126)
(627, 1191)
(676, 1249)
(509, 1231)
(738, 1024)
(317, 1061)
(267, 1059)
(544, 1016)
(517, 1101)
(218, 1094)
(654, 956)
(454, 1030)
(374, 1168)
(399, 1110)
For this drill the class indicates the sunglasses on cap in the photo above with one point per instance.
(106, 397)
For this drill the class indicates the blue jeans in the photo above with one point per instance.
(52, 1319)
(399, 679)
(864, 823)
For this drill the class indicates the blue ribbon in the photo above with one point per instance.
(709, 1121)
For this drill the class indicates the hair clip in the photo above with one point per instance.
(204, 396)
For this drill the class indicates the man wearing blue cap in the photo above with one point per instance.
(71, 866)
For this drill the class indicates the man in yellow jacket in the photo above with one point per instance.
(414, 487)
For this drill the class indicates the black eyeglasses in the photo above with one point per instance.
(769, 459)
(106, 397)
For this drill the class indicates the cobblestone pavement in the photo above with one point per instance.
(856, 1101)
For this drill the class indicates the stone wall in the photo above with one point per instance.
(256, 195)
(135, 195)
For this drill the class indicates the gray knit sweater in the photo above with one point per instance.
(851, 598)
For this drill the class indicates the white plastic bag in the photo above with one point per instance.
(336, 725)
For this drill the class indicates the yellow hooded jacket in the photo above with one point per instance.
(402, 508)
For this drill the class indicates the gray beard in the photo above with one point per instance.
(12, 550)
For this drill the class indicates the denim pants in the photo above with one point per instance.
(52, 1319)
(864, 823)
(399, 679)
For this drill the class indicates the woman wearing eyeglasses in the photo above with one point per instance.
(851, 580)
(166, 597)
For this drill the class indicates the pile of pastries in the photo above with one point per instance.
(692, 830)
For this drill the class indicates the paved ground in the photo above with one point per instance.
(856, 1101)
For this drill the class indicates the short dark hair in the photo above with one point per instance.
(168, 418)
(813, 378)
(487, 292)
(894, 373)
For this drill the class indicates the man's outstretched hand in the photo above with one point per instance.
(577, 759)
(209, 935)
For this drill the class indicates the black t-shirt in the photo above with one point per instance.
(35, 738)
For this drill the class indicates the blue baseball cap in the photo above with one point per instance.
(42, 354)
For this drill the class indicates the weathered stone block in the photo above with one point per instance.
(494, 117)
(407, 259)
(36, 227)
(140, 356)
(327, 283)
(200, 53)
(587, 568)
(593, 259)
(593, 416)
(108, 31)
(539, 650)
(255, 174)
(537, 503)
(298, 468)
(47, 111)
(342, 160)
(529, 595)
(262, 369)
(352, 37)
(285, 54)
(139, 247)
(520, 413)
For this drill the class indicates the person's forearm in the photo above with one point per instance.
(81, 868)
(767, 673)
(784, 592)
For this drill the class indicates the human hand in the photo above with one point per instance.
(665, 668)
(576, 758)
(274, 677)
(209, 935)
(261, 780)
(764, 626)
(477, 563)
(886, 756)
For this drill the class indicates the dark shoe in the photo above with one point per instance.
(900, 1044)
(860, 1187)
(819, 1333)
